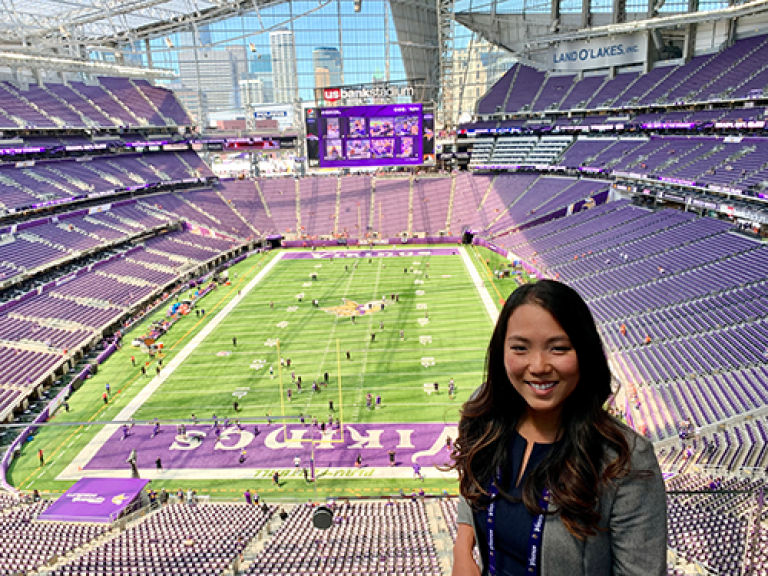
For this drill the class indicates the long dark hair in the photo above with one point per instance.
(574, 470)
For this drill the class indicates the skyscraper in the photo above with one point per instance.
(284, 72)
(327, 65)
(216, 73)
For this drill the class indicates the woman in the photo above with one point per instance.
(550, 483)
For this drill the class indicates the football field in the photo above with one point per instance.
(390, 327)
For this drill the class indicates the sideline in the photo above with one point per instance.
(485, 297)
(235, 472)
(74, 470)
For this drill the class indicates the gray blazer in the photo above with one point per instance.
(634, 512)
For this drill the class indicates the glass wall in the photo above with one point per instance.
(279, 55)
(477, 65)
(283, 53)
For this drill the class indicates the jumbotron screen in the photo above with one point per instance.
(358, 136)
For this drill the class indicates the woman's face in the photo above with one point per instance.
(540, 360)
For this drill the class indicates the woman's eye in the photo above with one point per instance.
(517, 348)
(561, 349)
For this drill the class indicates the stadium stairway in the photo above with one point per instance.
(126, 279)
(126, 109)
(630, 151)
(154, 169)
(508, 208)
(566, 95)
(535, 98)
(451, 199)
(182, 261)
(152, 105)
(510, 88)
(337, 209)
(262, 198)
(259, 541)
(103, 220)
(640, 87)
(67, 227)
(111, 178)
(438, 526)
(410, 206)
(731, 68)
(758, 73)
(117, 528)
(297, 192)
(705, 162)
(137, 178)
(11, 118)
(545, 199)
(676, 159)
(58, 122)
(99, 109)
(705, 64)
(129, 222)
(372, 212)
(7, 181)
(485, 194)
(30, 237)
(193, 172)
(608, 94)
(197, 208)
(34, 175)
(231, 205)
(63, 102)
(73, 180)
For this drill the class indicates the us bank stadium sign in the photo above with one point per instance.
(599, 53)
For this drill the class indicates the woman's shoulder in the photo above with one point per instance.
(635, 440)
(641, 449)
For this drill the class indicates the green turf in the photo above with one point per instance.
(459, 327)
(487, 261)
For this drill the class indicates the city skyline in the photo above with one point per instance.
(333, 29)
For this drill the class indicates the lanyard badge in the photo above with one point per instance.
(534, 541)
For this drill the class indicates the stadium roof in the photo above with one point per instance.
(524, 32)
(24, 21)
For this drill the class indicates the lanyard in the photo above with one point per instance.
(534, 541)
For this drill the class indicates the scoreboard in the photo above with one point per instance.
(369, 136)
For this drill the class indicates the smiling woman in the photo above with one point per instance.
(542, 365)
(551, 484)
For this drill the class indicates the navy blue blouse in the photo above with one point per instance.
(513, 520)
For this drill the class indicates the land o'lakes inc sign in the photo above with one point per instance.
(599, 52)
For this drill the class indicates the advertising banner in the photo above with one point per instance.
(599, 53)
(95, 500)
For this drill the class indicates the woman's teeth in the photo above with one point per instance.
(542, 386)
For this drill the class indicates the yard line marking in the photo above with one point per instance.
(126, 413)
(361, 379)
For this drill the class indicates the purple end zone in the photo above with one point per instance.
(424, 444)
(319, 254)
